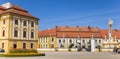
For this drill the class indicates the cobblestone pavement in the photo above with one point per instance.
(72, 55)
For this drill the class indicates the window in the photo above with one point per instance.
(63, 40)
(61, 46)
(76, 41)
(52, 39)
(46, 45)
(99, 41)
(16, 22)
(15, 33)
(117, 41)
(3, 34)
(31, 45)
(89, 41)
(59, 40)
(14, 46)
(2, 44)
(24, 34)
(95, 41)
(24, 23)
(3, 21)
(32, 24)
(83, 41)
(32, 34)
(70, 41)
(24, 45)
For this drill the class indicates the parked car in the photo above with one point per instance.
(118, 51)
(2, 50)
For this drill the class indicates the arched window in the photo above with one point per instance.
(70, 41)
(15, 33)
(99, 41)
(3, 34)
(59, 40)
(83, 41)
(52, 39)
(24, 34)
(32, 34)
(63, 40)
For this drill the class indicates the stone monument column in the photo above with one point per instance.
(92, 44)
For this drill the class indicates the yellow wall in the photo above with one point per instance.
(8, 27)
(46, 40)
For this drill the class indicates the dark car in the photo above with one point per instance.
(2, 50)
(118, 51)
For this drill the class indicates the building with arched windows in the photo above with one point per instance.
(64, 36)
(18, 28)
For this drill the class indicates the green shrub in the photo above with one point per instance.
(21, 55)
(71, 45)
(22, 51)
(99, 48)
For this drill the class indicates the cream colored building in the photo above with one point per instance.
(18, 28)
(64, 36)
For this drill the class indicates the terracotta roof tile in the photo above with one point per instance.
(51, 32)
(18, 12)
(114, 33)
(76, 28)
(15, 9)
(76, 34)
(83, 32)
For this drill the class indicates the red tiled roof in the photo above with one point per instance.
(51, 32)
(73, 32)
(76, 34)
(77, 28)
(15, 9)
(84, 32)
(18, 12)
(114, 33)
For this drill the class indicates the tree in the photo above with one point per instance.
(70, 46)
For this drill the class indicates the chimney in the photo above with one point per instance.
(7, 5)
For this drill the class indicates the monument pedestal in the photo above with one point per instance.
(92, 45)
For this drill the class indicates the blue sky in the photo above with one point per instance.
(53, 13)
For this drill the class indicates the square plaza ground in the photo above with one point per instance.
(72, 55)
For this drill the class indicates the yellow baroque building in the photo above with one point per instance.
(47, 39)
(18, 28)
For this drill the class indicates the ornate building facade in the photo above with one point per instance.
(18, 28)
